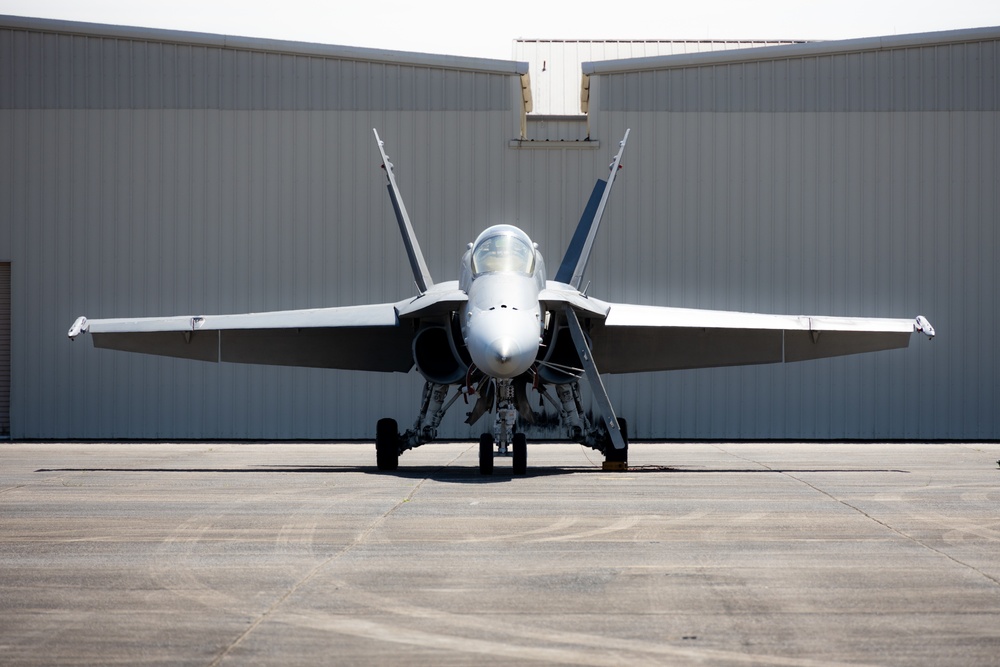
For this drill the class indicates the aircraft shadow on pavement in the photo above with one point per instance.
(470, 474)
(453, 474)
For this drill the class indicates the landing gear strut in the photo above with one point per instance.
(390, 443)
(579, 429)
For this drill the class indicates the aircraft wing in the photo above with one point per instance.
(634, 339)
(368, 337)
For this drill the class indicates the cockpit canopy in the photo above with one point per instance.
(503, 248)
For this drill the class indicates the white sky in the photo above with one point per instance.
(461, 27)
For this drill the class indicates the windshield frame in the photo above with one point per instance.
(503, 252)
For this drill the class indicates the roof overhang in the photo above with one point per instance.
(802, 50)
(431, 60)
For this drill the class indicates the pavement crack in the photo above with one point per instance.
(905, 536)
(360, 539)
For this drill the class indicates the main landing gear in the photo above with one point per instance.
(389, 443)
(579, 428)
(616, 459)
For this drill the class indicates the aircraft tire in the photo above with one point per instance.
(387, 444)
(520, 462)
(613, 455)
(486, 454)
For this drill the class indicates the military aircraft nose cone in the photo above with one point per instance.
(504, 351)
(505, 357)
(503, 343)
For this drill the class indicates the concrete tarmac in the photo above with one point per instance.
(301, 554)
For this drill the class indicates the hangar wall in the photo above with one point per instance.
(134, 183)
(153, 173)
(854, 178)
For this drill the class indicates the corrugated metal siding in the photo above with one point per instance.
(946, 77)
(136, 210)
(142, 178)
(826, 208)
(143, 212)
(58, 71)
(555, 63)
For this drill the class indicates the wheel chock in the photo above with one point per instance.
(615, 466)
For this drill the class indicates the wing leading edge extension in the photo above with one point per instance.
(633, 339)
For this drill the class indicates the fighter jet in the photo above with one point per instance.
(503, 327)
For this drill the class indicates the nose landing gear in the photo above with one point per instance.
(503, 426)
(486, 454)
(519, 462)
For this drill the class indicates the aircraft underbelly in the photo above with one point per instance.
(639, 349)
(384, 349)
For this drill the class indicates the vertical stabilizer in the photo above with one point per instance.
(577, 255)
(421, 275)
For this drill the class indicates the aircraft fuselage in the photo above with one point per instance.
(502, 323)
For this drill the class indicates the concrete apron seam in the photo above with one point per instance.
(905, 536)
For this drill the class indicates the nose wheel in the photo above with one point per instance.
(520, 462)
(486, 454)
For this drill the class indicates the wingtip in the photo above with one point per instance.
(923, 325)
(79, 326)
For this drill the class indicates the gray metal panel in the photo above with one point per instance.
(46, 70)
(796, 50)
(214, 211)
(839, 213)
(134, 34)
(133, 209)
(959, 76)
(145, 212)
